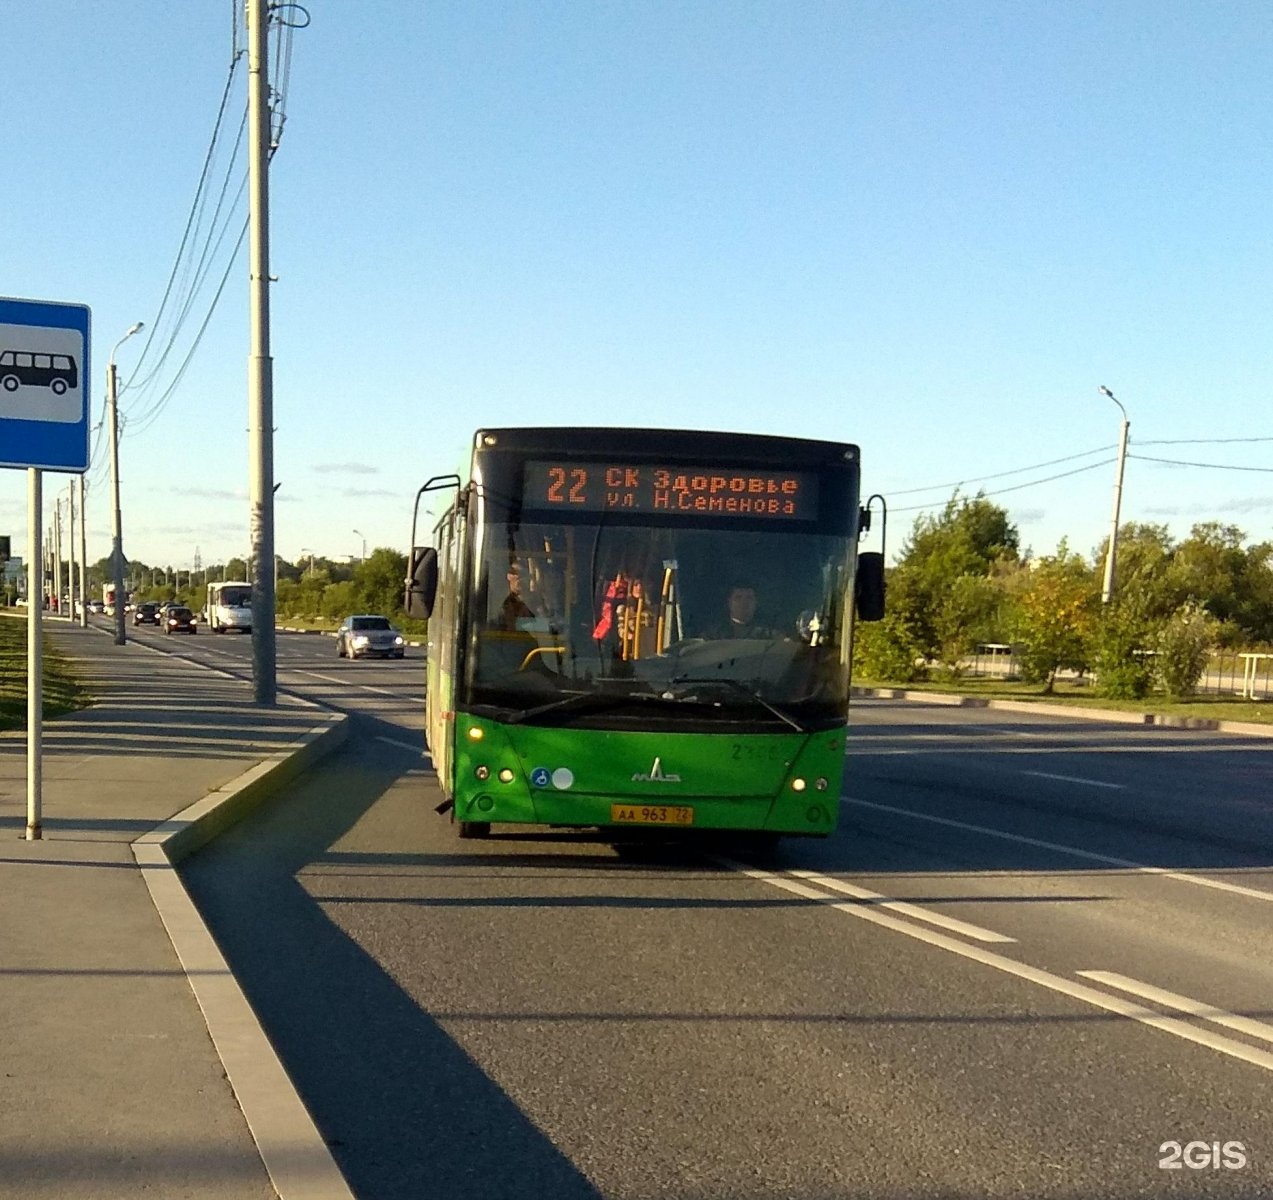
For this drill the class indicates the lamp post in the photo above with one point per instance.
(305, 550)
(364, 545)
(1111, 555)
(117, 534)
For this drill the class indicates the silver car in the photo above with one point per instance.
(366, 636)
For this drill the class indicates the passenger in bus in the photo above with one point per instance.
(740, 620)
(514, 608)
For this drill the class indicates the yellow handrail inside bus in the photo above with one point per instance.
(538, 650)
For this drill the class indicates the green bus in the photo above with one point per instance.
(644, 628)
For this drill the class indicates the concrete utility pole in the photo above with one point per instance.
(71, 581)
(57, 555)
(1111, 555)
(260, 365)
(83, 558)
(117, 522)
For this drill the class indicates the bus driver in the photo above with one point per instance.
(741, 621)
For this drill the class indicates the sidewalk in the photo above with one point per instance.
(119, 1022)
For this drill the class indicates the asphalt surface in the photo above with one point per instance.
(1036, 954)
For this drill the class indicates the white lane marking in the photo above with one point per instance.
(1075, 779)
(1056, 983)
(1195, 1008)
(901, 906)
(413, 747)
(362, 687)
(1201, 881)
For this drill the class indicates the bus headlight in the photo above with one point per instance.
(483, 773)
(798, 785)
(506, 775)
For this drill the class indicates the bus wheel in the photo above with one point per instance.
(475, 829)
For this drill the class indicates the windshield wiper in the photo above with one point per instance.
(739, 686)
(582, 701)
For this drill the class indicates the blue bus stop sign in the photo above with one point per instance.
(44, 393)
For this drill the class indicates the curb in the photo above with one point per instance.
(294, 1153)
(1162, 720)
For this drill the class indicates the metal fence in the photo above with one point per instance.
(1247, 674)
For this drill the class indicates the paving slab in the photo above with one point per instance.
(111, 1084)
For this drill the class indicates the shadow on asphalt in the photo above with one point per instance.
(345, 1030)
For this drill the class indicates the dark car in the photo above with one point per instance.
(146, 613)
(180, 620)
(368, 636)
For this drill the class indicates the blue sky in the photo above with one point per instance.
(933, 229)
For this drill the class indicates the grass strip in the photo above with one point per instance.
(63, 692)
(1205, 706)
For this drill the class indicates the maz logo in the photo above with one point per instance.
(656, 774)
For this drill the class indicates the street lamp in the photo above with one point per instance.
(1111, 555)
(117, 533)
(304, 551)
(364, 545)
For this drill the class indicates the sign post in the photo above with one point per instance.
(35, 665)
(44, 408)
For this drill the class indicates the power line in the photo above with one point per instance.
(148, 418)
(1202, 441)
(1175, 462)
(196, 207)
(1001, 474)
(285, 17)
(1016, 487)
(143, 412)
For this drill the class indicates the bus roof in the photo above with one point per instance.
(689, 443)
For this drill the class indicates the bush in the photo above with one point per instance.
(1184, 646)
(1122, 641)
(888, 650)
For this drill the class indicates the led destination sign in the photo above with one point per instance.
(687, 491)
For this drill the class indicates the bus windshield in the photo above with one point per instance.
(612, 619)
(234, 597)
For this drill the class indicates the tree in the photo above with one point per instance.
(968, 614)
(892, 649)
(1235, 585)
(969, 539)
(1145, 568)
(1054, 607)
(378, 581)
(340, 599)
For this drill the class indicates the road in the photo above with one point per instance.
(1036, 956)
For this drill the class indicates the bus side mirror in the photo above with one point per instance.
(422, 582)
(870, 586)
